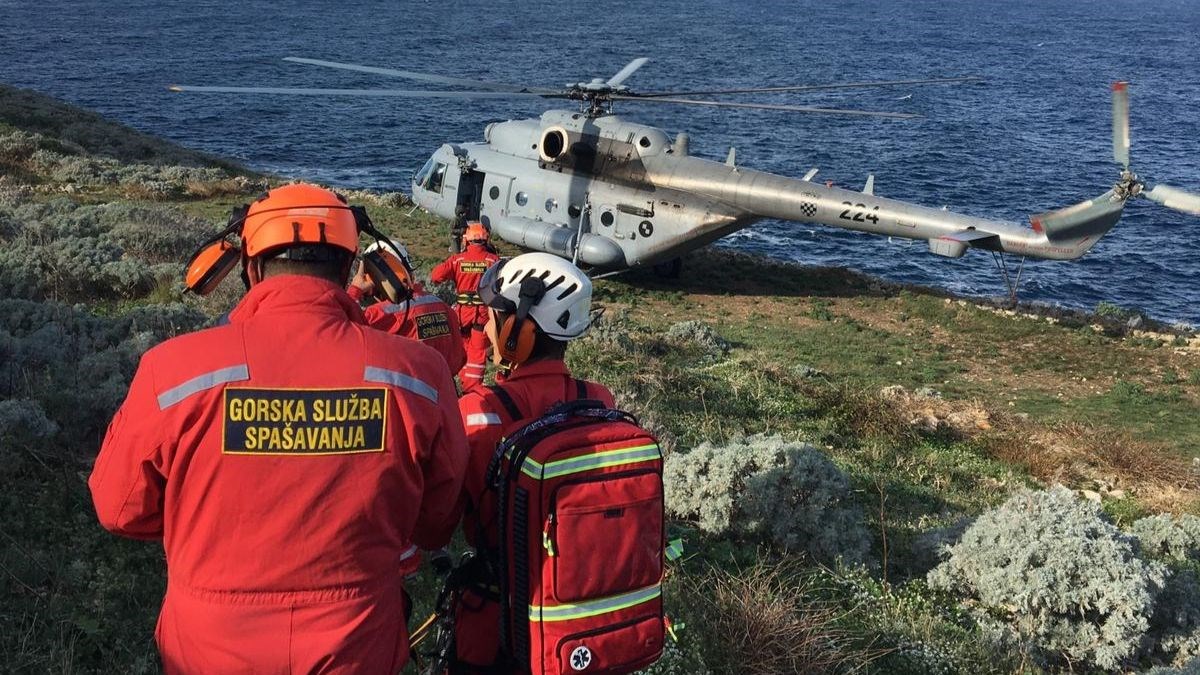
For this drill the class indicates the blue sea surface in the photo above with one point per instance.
(1035, 137)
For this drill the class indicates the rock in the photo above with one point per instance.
(927, 422)
(1135, 321)
(1090, 495)
(807, 372)
(894, 391)
(928, 392)
(970, 420)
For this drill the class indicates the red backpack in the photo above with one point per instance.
(580, 500)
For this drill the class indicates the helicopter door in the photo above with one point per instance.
(470, 193)
(494, 200)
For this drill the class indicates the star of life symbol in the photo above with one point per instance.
(809, 209)
(581, 658)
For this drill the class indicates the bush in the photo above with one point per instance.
(1167, 536)
(62, 251)
(701, 335)
(1175, 627)
(611, 331)
(790, 493)
(76, 366)
(1054, 571)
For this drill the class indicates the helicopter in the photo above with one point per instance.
(613, 194)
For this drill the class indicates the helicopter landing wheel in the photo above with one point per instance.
(670, 269)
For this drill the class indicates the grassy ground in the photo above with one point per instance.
(936, 408)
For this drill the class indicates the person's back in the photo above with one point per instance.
(488, 412)
(530, 330)
(423, 317)
(465, 269)
(419, 315)
(291, 461)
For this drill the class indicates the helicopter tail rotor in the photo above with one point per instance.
(1174, 198)
(1130, 185)
(1120, 123)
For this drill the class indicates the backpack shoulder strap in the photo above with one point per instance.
(580, 389)
(506, 400)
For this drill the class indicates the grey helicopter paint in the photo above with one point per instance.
(630, 197)
(613, 194)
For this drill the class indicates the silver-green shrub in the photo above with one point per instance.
(611, 330)
(63, 251)
(22, 419)
(1175, 626)
(699, 334)
(1053, 570)
(75, 366)
(1190, 668)
(764, 486)
(1167, 536)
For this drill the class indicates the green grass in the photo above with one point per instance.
(811, 350)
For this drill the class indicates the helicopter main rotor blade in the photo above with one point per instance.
(816, 87)
(1174, 198)
(629, 69)
(1120, 123)
(767, 106)
(424, 77)
(401, 93)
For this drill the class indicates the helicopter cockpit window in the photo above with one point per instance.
(436, 178)
(423, 175)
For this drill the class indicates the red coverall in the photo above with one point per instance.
(465, 269)
(535, 388)
(290, 461)
(425, 317)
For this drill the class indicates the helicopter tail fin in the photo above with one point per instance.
(1081, 225)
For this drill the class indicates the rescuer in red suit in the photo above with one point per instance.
(421, 316)
(290, 460)
(537, 302)
(465, 269)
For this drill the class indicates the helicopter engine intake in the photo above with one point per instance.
(555, 144)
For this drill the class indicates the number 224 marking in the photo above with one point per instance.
(859, 212)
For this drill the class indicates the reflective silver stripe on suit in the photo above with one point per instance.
(202, 382)
(407, 382)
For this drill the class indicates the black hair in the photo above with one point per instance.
(324, 262)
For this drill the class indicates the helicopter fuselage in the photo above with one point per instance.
(614, 194)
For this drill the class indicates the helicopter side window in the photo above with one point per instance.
(436, 178)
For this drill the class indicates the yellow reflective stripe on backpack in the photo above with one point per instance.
(594, 607)
(596, 460)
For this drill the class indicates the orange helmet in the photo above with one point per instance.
(476, 233)
(298, 214)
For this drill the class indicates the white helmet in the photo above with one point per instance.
(559, 305)
(398, 250)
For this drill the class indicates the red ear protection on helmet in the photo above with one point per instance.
(516, 338)
(210, 265)
(390, 274)
(216, 258)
